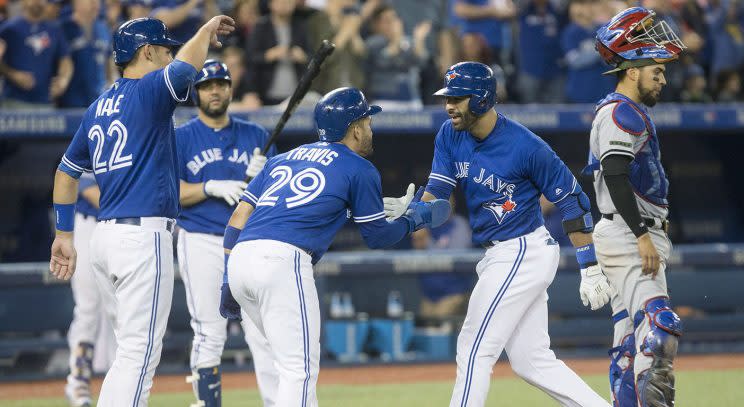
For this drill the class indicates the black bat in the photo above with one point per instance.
(313, 69)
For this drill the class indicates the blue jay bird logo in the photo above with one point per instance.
(500, 207)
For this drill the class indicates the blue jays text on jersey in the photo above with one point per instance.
(36, 48)
(205, 154)
(303, 197)
(127, 140)
(502, 178)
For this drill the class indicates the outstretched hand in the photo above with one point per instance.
(63, 258)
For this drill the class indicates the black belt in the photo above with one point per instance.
(489, 244)
(138, 222)
(650, 222)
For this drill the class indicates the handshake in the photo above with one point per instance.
(418, 214)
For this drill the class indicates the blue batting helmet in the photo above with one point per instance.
(212, 69)
(471, 79)
(632, 39)
(133, 34)
(338, 109)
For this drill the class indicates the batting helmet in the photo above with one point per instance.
(471, 79)
(338, 109)
(133, 34)
(631, 39)
(212, 69)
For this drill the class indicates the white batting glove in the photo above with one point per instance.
(227, 189)
(396, 207)
(594, 288)
(258, 161)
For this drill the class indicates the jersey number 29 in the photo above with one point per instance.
(306, 185)
(116, 161)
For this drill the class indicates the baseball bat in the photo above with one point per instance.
(311, 72)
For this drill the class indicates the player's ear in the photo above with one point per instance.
(634, 73)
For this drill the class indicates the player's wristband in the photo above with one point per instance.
(231, 236)
(586, 256)
(65, 215)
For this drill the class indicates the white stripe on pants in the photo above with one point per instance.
(201, 264)
(133, 266)
(508, 309)
(274, 285)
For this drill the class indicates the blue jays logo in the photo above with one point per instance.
(212, 69)
(39, 42)
(500, 207)
(450, 76)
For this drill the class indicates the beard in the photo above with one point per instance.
(366, 148)
(648, 96)
(214, 112)
(467, 119)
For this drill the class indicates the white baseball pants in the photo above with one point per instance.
(201, 264)
(508, 309)
(133, 266)
(274, 285)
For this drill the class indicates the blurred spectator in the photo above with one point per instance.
(490, 19)
(725, 22)
(277, 53)
(444, 294)
(234, 58)
(584, 82)
(114, 13)
(183, 17)
(90, 48)
(441, 43)
(728, 86)
(473, 47)
(340, 23)
(695, 86)
(540, 78)
(246, 15)
(394, 61)
(37, 64)
(135, 9)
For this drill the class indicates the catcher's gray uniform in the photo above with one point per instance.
(641, 304)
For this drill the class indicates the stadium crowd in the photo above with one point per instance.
(57, 53)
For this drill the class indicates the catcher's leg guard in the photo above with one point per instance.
(655, 385)
(622, 383)
(207, 384)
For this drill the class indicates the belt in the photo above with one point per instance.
(489, 244)
(169, 223)
(662, 224)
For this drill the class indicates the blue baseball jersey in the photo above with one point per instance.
(492, 29)
(539, 42)
(304, 196)
(205, 154)
(82, 206)
(127, 140)
(585, 83)
(90, 56)
(502, 177)
(36, 48)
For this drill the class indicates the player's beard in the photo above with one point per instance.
(366, 147)
(467, 120)
(648, 96)
(215, 112)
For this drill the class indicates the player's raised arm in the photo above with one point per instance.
(194, 51)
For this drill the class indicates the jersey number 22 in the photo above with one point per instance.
(117, 160)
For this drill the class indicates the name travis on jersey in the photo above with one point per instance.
(322, 156)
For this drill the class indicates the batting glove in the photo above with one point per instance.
(594, 288)
(396, 207)
(229, 190)
(229, 308)
(257, 163)
(431, 214)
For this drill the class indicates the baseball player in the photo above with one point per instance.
(296, 205)
(91, 336)
(127, 140)
(631, 186)
(503, 168)
(213, 153)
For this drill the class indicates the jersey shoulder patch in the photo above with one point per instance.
(628, 118)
